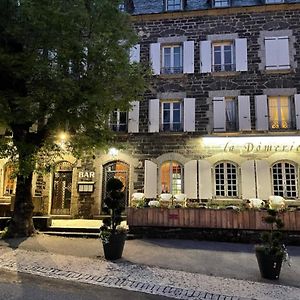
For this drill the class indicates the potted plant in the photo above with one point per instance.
(272, 252)
(113, 235)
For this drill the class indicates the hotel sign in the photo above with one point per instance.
(251, 145)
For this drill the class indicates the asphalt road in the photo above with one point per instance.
(25, 286)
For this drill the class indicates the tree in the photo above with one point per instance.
(64, 65)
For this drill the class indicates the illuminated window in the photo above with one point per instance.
(118, 121)
(9, 180)
(284, 176)
(226, 181)
(172, 59)
(280, 112)
(171, 178)
(223, 57)
(173, 5)
(171, 116)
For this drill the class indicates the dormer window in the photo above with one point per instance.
(172, 5)
(221, 3)
(274, 1)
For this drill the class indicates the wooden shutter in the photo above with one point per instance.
(241, 60)
(153, 115)
(133, 117)
(150, 185)
(135, 54)
(188, 57)
(263, 174)
(205, 56)
(190, 179)
(244, 113)
(297, 110)
(205, 180)
(277, 53)
(219, 114)
(155, 58)
(189, 114)
(248, 179)
(261, 112)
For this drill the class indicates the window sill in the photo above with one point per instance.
(225, 74)
(177, 75)
(278, 71)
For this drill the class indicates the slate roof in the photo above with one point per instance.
(142, 7)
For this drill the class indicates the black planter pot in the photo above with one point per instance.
(114, 248)
(269, 265)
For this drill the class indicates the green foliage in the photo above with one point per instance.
(272, 240)
(64, 66)
(115, 203)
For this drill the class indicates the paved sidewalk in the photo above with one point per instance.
(173, 268)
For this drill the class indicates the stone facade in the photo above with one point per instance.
(255, 154)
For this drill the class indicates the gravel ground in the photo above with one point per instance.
(153, 280)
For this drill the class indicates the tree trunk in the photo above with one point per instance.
(21, 224)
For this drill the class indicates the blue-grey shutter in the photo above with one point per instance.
(188, 57)
(189, 115)
(155, 59)
(133, 117)
(205, 57)
(241, 60)
(261, 112)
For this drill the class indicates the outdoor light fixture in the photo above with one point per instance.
(113, 152)
(86, 186)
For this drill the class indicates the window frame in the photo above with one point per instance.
(171, 178)
(171, 102)
(234, 127)
(223, 65)
(283, 186)
(117, 123)
(172, 69)
(225, 184)
(291, 122)
(11, 181)
(173, 6)
(221, 3)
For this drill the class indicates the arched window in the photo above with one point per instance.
(284, 176)
(9, 186)
(171, 174)
(226, 180)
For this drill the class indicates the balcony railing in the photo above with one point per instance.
(171, 70)
(224, 68)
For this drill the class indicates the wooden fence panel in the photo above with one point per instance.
(207, 218)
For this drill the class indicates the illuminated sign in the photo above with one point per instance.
(251, 145)
(86, 174)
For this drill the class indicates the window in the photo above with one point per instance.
(122, 7)
(277, 53)
(226, 180)
(173, 5)
(171, 178)
(231, 114)
(118, 121)
(172, 59)
(284, 180)
(274, 1)
(171, 116)
(223, 58)
(221, 3)
(9, 180)
(280, 112)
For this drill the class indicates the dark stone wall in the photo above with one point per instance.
(247, 25)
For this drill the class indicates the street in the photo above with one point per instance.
(26, 286)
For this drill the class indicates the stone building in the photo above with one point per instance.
(220, 121)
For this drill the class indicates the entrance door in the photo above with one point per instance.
(62, 189)
(116, 169)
